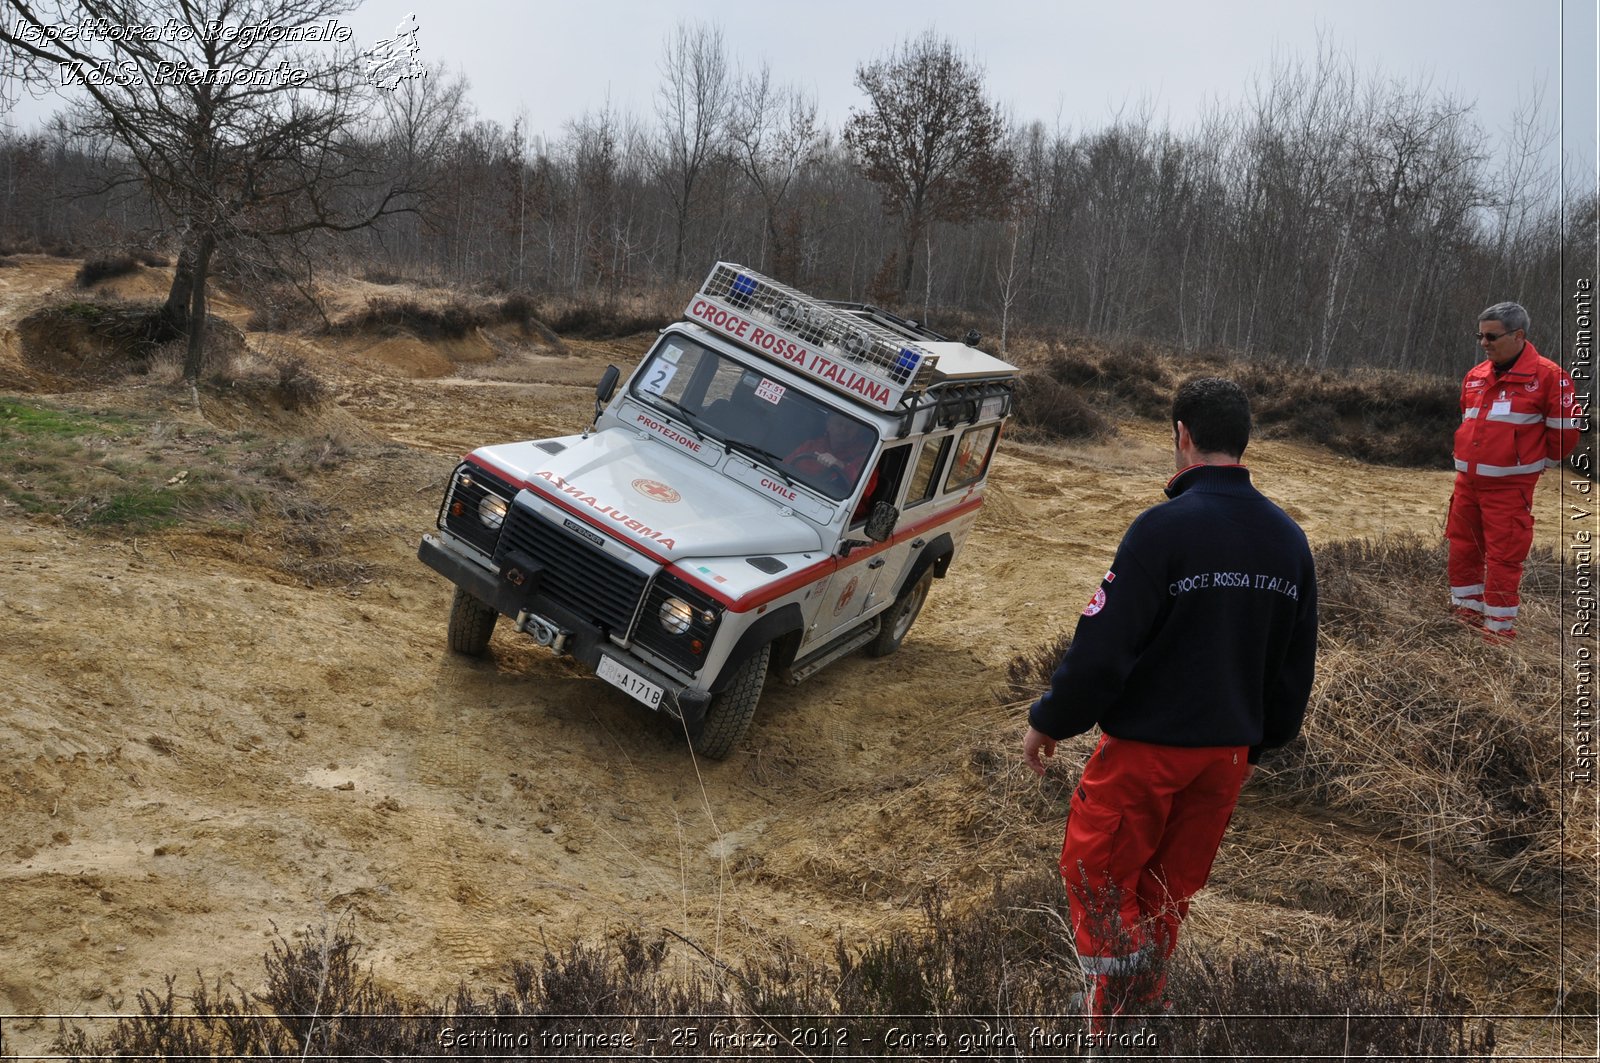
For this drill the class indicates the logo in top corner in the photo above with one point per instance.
(657, 490)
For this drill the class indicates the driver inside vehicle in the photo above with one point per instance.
(837, 455)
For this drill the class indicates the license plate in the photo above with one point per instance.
(629, 682)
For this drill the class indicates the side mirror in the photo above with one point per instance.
(605, 389)
(880, 525)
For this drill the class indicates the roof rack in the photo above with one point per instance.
(913, 329)
(956, 402)
(868, 357)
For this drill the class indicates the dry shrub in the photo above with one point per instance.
(1029, 673)
(1049, 410)
(98, 269)
(298, 387)
(282, 308)
(386, 316)
(1377, 416)
(593, 320)
(385, 277)
(152, 259)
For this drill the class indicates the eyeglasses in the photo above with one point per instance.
(1492, 336)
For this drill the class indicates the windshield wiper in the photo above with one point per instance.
(690, 418)
(760, 455)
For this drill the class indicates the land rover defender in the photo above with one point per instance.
(777, 485)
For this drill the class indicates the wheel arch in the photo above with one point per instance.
(937, 554)
(782, 627)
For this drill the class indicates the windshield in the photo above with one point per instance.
(756, 415)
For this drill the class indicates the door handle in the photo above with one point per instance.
(918, 544)
(876, 562)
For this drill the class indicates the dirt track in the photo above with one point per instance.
(197, 748)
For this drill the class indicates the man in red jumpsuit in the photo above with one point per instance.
(1519, 416)
(1196, 653)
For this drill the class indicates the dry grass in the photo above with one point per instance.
(986, 983)
(1437, 739)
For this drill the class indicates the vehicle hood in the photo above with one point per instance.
(644, 492)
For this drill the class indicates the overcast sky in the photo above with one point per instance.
(1059, 61)
(1067, 60)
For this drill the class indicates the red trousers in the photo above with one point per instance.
(1490, 529)
(1145, 825)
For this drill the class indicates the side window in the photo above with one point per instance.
(972, 457)
(928, 465)
(884, 483)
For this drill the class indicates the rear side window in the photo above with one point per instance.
(928, 464)
(972, 456)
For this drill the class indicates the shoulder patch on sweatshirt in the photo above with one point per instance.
(1097, 603)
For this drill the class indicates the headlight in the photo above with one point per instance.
(492, 511)
(676, 615)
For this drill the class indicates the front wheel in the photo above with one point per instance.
(728, 716)
(900, 616)
(471, 624)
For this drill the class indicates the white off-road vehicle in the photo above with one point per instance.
(777, 486)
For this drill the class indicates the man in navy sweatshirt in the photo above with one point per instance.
(1195, 654)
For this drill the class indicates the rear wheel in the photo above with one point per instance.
(729, 714)
(471, 624)
(899, 617)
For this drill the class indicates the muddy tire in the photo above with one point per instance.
(471, 624)
(899, 617)
(729, 714)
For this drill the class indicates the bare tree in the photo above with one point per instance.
(241, 132)
(930, 140)
(420, 119)
(692, 106)
(775, 134)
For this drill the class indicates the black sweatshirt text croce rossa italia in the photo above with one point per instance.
(1204, 631)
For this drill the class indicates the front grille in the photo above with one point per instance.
(469, 486)
(677, 648)
(576, 574)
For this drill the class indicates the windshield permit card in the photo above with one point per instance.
(662, 370)
(628, 681)
(770, 390)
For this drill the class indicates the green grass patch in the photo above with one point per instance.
(140, 507)
(131, 473)
(24, 421)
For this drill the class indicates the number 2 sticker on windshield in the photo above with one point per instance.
(770, 390)
(658, 376)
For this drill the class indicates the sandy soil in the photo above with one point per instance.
(195, 749)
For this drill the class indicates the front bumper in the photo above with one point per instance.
(583, 640)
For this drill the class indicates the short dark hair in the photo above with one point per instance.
(1216, 412)
(1511, 315)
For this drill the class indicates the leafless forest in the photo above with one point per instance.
(1329, 220)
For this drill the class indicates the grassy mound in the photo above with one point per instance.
(105, 340)
(1375, 416)
(132, 473)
